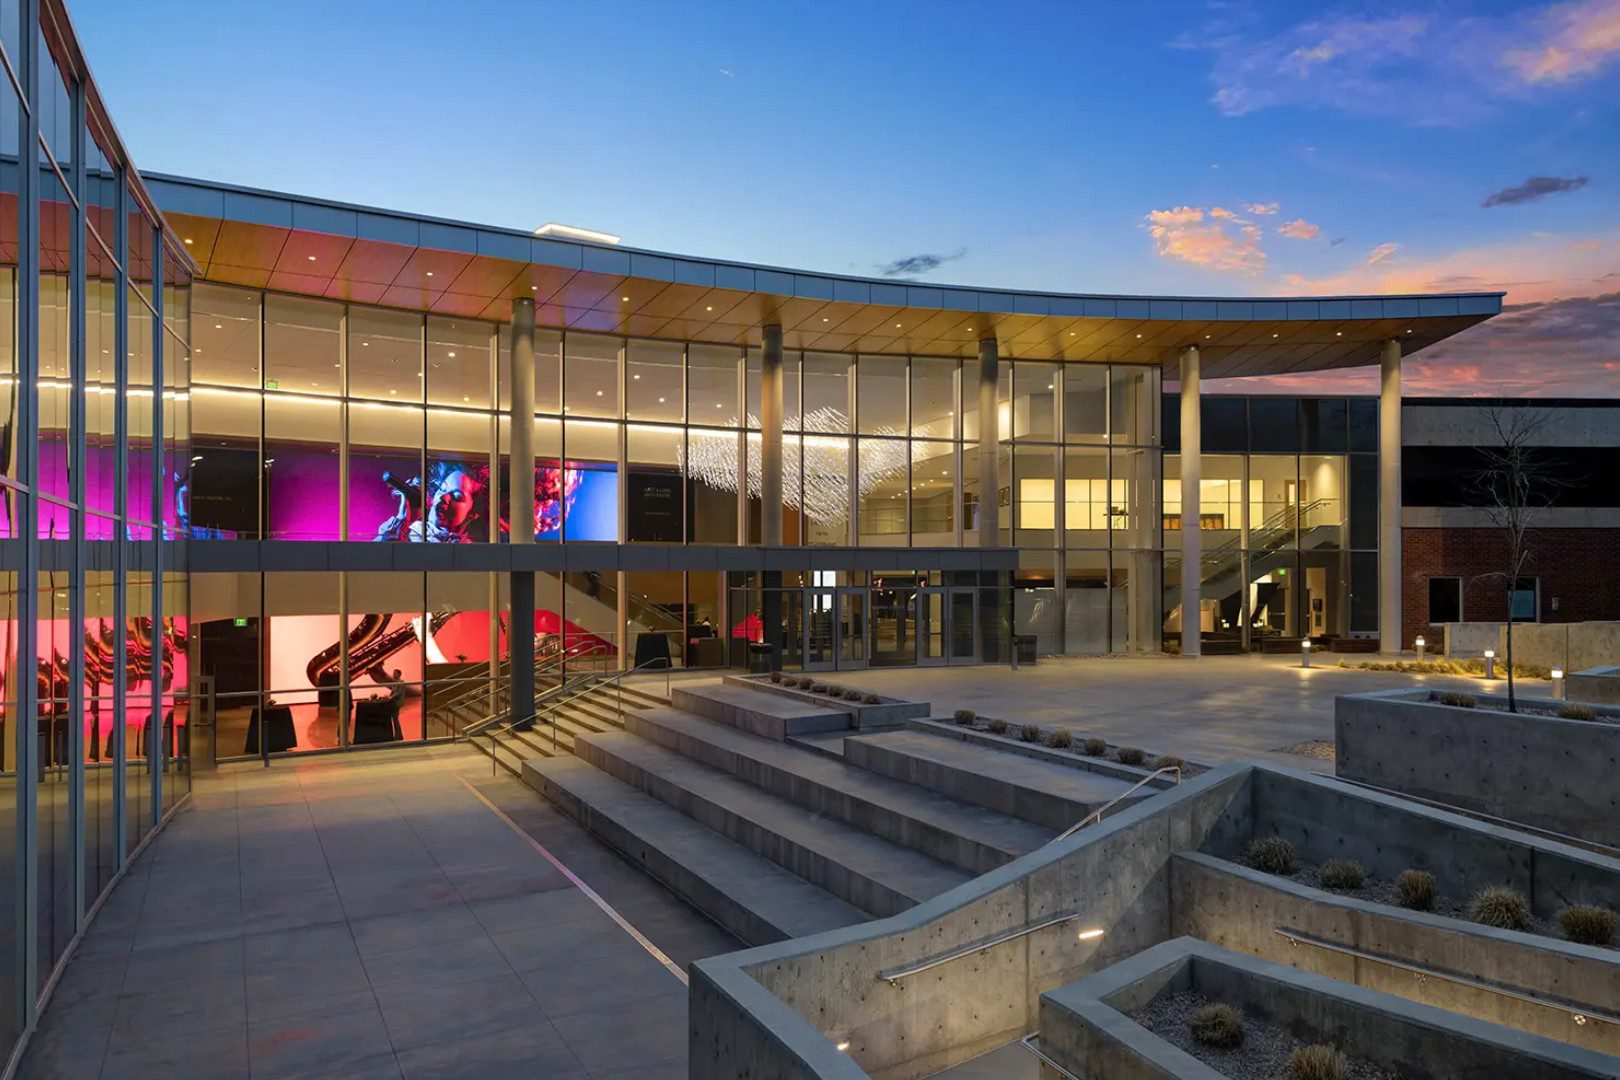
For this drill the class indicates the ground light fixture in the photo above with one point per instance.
(1421, 645)
(1305, 653)
(1558, 683)
(1490, 663)
(843, 1047)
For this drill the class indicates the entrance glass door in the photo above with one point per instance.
(851, 628)
(893, 626)
(932, 643)
(821, 629)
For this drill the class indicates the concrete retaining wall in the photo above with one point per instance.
(1548, 772)
(1599, 685)
(1086, 1025)
(1114, 875)
(1571, 646)
(1241, 909)
(888, 713)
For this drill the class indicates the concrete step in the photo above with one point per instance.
(649, 691)
(747, 894)
(962, 834)
(1041, 792)
(759, 713)
(872, 873)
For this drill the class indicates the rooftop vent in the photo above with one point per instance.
(558, 231)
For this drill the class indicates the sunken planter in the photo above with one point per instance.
(1529, 767)
(887, 713)
(1125, 1023)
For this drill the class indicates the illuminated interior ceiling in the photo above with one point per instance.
(296, 245)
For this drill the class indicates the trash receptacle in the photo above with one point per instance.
(1025, 644)
(759, 658)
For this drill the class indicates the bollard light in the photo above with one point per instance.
(1421, 645)
(1558, 683)
(1490, 663)
(1305, 653)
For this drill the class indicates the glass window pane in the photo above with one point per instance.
(884, 481)
(933, 397)
(303, 644)
(1035, 506)
(1085, 402)
(933, 494)
(1034, 396)
(1273, 423)
(387, 660)
(652, 386)
(591, 375)
(711, 380)
(1273, 500)
(826, 392)
(653, 500)
(882, 400)
(1324, 424)
(713, 461)
(1088, 501)
(457, 501)
(1133, 404)
(225, 327)
(1322, 497)
(385, 355)
(301, 436)
(461, 360)
(302, 345)
(824, 500)
(592, 511)
(385, 471)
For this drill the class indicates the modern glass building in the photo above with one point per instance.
(286, 475)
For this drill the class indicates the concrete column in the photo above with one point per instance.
(1192, 547)
(989, 445)
(520, 498)
(770, 437)
(1389, 498)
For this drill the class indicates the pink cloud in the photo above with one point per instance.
(1581, 38)
(1300, 229)
(1380, 253)
(1216, 239)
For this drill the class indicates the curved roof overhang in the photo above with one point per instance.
(286, 243)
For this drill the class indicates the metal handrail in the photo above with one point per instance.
(1097, 814)
(1028, 1043)
(1582, 1016)
(564, 692)
(1593, 846)
(894, 975)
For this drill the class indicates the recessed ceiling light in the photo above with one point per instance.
(430, 273)
(626, 299)
(1273, 335)
(660, 401)
(188, 239)
(311, 258)
(825, 319)
(709, 308)
(464, 397)
(1338, 333)
(638, 377)
(599, 393)
(1206, 337)
(897, 326)
(221, 326)
(534, 288)
(1138, 335)
(452, 355)
(391, 393)
(365, 344)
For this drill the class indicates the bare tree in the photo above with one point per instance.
(1516, 481)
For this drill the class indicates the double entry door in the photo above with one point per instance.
(835, 632)
(925, 625)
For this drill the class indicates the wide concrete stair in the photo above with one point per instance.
(711, 796)
(594, 712)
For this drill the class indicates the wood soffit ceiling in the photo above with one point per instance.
(1238, 337)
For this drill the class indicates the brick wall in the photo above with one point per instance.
(1579, 568)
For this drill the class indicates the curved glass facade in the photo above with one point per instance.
(96, 715)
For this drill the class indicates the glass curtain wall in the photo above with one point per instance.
(95, 713)
(1289, 503)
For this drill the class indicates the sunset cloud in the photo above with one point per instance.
(1380, 253)
(1300, 229)
(1262, 208)
(1215, 239)
(1579, 40)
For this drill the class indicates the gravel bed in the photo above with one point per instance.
(1381, 891)
(1263, 1054)
(1321, 749)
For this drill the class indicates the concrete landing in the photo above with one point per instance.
(756, 711)
(1054, 796)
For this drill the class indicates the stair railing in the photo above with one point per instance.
(1097, 814)
(548, 705)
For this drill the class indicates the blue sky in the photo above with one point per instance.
(1211, 149)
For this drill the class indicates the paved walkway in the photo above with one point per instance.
(373, 915)
(1218, 708)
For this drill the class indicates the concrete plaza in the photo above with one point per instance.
(1217, 708)
(375, 914)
